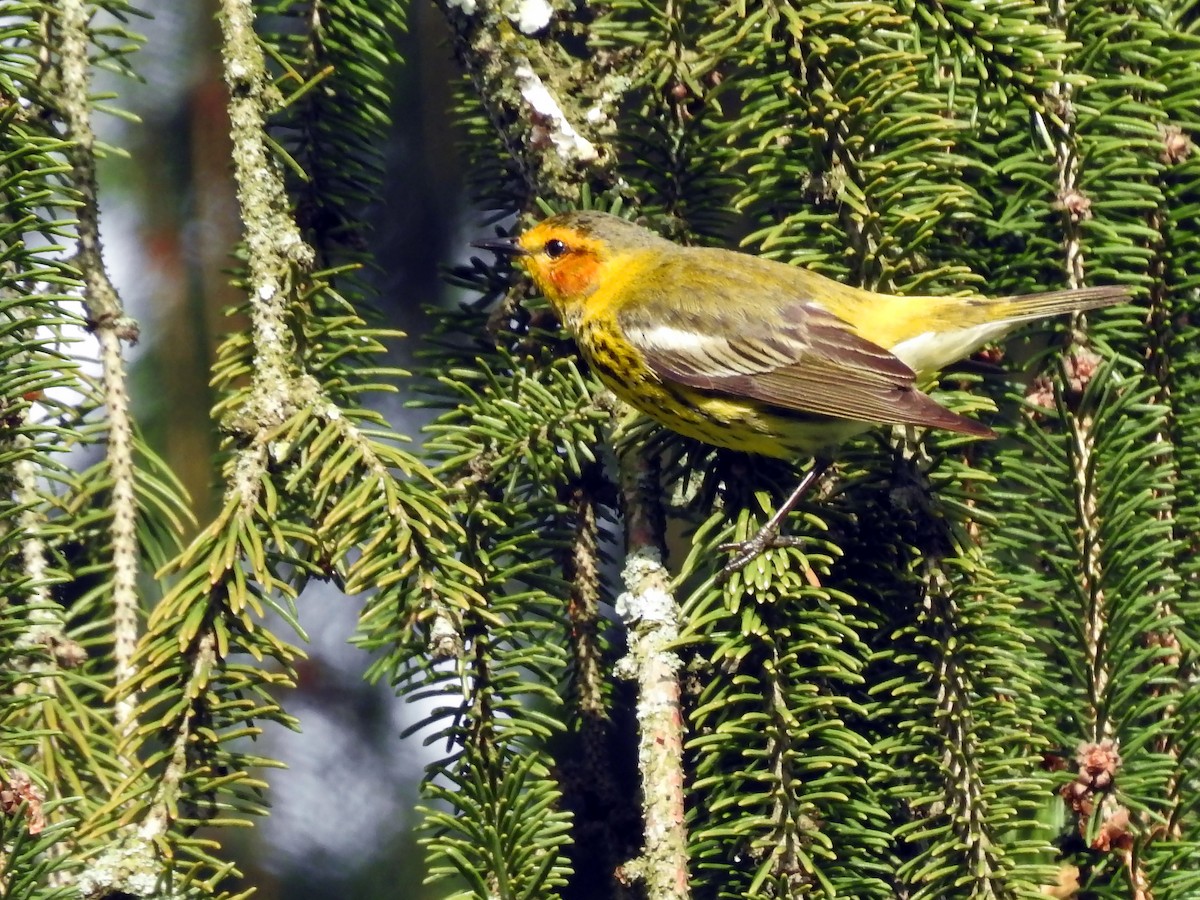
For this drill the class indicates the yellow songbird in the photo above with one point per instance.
(755, 355)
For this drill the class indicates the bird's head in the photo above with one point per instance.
(569, 256)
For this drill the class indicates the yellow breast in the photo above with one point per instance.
(729, 422)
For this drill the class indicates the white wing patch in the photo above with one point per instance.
(709, 354)
(932, 350)
(676, 340)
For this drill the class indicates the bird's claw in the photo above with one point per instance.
(749, 550)
(768, 536)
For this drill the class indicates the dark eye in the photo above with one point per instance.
(555, 248)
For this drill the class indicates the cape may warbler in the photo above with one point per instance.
(755, 355)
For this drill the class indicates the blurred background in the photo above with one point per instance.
(343, 808)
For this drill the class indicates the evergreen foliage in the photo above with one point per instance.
(974, 676)
(884, 711)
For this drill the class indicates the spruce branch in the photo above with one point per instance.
(1172, 300)
(1161, 366)
(279, 260)
(961, 756)
(602, 811)
(48, 627)
(155, 824)
(651, 615)
(276, 254)
(56, 718)
(840, 170)
(787, 816)
(582, 574)
(1075, 206)
(543, 105)
(276, 249)
(957, 671)
(1170, 636)
(111, 326)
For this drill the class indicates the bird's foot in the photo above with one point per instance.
(767, 538)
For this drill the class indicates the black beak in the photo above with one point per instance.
(502, 247)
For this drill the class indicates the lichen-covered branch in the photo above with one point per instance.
(276, 251)
(549, 109)
(111, 326)
(651, 614)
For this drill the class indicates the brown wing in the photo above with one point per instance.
(808, 361)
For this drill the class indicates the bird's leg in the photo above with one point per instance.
(768, 536)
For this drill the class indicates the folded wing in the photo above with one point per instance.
(805, 360)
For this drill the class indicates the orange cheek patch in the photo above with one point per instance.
(575, 275)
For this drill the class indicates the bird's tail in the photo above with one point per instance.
(1053, 303)
(970, 322)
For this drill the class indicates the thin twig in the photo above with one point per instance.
(1075, 207)
(582, 571)
(158, 820)
(33, 545)
(109, 323)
